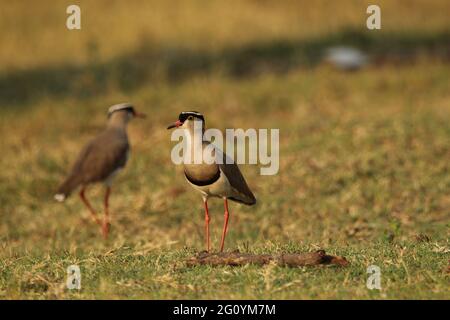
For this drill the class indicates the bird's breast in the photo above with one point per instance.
(202, 174)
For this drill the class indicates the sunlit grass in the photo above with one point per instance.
(359, 166)
(109, 28)
(364, 169)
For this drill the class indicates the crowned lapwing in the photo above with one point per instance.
(210, 178)
(101, 159)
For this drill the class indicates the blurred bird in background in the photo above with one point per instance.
(100, 160)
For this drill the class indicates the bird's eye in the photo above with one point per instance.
(190, 118)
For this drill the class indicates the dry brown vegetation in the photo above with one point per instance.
(364, 156)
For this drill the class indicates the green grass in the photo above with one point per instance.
(407, 272)
(364, 170)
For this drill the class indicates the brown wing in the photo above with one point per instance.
(243, 193)
(101, 157)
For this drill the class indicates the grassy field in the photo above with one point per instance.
(364, 156)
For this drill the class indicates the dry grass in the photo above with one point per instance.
(364, 156)
(110, 27)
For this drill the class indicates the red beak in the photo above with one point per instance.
(175, 125)
(139, 115)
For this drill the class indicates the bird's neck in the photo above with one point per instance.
(195, 144)
(118, 120)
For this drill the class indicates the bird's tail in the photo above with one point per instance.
(66, 188)
(247, 199)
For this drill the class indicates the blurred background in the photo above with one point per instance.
(364, 147)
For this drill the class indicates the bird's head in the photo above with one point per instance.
(124, 109)
(187, 119)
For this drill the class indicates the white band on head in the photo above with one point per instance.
(120, 106)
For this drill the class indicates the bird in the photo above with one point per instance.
(100, 160)
(222, 180)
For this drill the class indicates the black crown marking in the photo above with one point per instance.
(186, 114)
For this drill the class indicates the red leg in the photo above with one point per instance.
(106, 224)
(225, 224)
(205, 201)
(88, 205)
